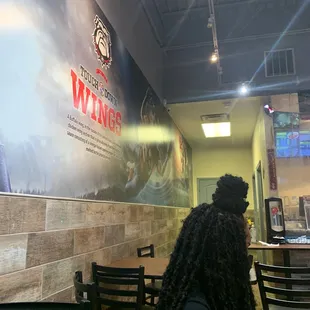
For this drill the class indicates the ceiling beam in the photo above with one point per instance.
(235, 40)
(157, 35)
(158, 12)
(182, 11)
(205, 7)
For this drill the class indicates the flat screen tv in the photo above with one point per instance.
(292, 143)
(286, 120)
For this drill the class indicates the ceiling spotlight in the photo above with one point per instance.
(210, 22)
(243, 90)
(214, 58)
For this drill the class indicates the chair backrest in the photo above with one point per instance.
(84, 305)
(79, 287)
(119, 287)
(147, 251)
(288, 296)
(82, 291)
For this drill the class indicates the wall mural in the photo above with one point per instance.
(78, 118)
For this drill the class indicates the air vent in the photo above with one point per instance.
(215, 118)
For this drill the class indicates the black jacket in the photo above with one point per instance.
(197, 302)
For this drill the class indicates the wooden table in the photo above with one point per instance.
(290, 247)
(285, 248)
(154, 268)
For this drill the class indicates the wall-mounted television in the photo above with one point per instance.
(304, 103)
(286, 120)
(292, 143)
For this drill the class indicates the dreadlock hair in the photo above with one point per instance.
(211, 253)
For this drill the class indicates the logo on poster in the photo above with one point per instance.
(102, 42)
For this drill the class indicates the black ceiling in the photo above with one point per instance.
(182, 23)
(245, 29)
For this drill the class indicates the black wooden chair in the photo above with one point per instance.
(147, 251)
(152, 289)
(82, 291)
(290, 298)
(84, 305)
(124, 283)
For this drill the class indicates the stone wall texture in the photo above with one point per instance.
(44, 241)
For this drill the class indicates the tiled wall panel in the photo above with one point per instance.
(43, 241)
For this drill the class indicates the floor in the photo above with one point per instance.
(257, 297)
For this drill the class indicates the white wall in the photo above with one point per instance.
(132, 26)
(215, 163)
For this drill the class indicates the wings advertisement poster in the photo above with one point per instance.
(78, 118)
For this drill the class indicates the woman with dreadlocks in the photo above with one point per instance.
(209, 268)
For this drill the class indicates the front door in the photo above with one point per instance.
(206, 188)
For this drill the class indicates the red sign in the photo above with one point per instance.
(273, 183)
(274, 210)
(99, 71)
(293, 135)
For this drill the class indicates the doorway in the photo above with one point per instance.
(259, 207)
(256, 210)
(206, 188)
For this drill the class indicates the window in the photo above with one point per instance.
(279, 63)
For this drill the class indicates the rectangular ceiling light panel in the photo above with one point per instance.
(216, 130)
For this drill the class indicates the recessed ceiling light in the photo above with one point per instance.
(216, 130)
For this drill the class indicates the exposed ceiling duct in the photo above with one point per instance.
(212, 25)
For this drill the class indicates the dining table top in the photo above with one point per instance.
(153, 267)
(281, 247)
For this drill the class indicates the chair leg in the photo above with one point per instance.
(152, 300)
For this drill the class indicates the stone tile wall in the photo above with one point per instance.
(44, 241)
